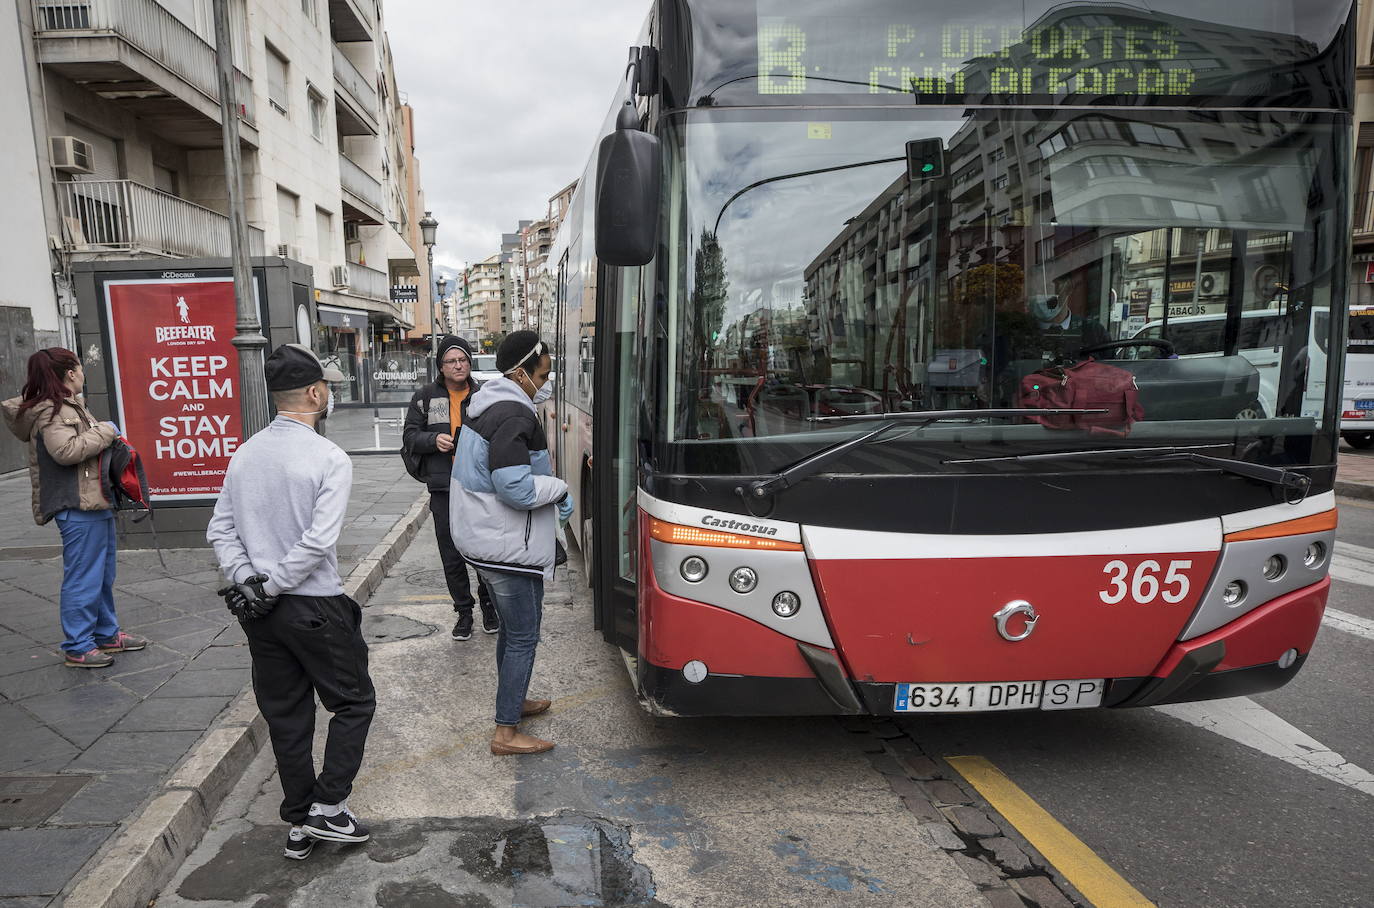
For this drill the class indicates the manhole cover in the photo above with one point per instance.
(427, 578)
(29, 800)
(390, 628)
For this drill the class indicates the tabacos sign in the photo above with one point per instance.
(176, 379)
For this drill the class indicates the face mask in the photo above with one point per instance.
(323, 414)
(543, 394)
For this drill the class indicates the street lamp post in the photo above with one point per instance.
(428, 228)
(443, 289)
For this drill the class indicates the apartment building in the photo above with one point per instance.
(124, 101)
(513, 303)
(537, 242)
(484, 290)
(1362, 180)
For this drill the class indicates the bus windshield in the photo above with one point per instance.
(817, 270)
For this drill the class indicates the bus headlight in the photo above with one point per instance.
(743, 580)
(693, 569)
(1274, 567)
(1234, 592)
(1315, 555)
(786, 604)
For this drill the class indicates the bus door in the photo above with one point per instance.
(610, 516)
(558, 414)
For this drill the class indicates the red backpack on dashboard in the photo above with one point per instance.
(1088, 385)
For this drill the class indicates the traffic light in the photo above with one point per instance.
(925, 159)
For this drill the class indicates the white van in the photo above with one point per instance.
(1357, 400)
(1261, 332)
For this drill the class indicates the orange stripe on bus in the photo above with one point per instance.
(1316, 523)
(684, 535)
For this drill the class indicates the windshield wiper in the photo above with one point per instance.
(812, 465)
(1288, 480)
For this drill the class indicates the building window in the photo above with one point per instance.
(308, 9)
(287, 206)
(324, 235)
(317, 112)
(277, 82)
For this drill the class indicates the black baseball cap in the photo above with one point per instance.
(294, 366)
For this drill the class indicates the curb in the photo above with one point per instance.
(1361, 490)
(130, 871)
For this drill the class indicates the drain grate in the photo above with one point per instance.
(29, 800)
(427, 578)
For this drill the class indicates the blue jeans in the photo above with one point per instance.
(519, 601)
(88, 576)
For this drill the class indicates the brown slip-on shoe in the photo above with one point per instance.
(535, 707)
(510, 750)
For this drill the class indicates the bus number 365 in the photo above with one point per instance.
(1145, 585)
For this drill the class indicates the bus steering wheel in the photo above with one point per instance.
(1165, 348)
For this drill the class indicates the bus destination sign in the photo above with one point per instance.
(1093, 50)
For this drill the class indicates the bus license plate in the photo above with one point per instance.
(998, 695)
(1364, 405)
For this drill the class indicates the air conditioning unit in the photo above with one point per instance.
(289, 252)
(1214, 283)
(339, 275)
(351, 231)
(71, 155)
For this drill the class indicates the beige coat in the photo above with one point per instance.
(73, 439)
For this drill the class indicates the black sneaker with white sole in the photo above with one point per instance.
(298, 845)
(342, 827)
(462, 630)
(491, 624)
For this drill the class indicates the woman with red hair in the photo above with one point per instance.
(65, 442)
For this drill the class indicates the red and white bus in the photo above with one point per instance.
(818, 257)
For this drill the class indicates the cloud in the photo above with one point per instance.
(508, 98)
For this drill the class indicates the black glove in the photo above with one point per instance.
(248, 600)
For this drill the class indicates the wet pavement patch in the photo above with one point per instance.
(839, 876)
(464, 862)
(390, 628)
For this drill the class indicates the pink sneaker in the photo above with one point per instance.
(123, 643)
(94, 659)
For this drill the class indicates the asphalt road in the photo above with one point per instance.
(1195, 817)
(1236, 803)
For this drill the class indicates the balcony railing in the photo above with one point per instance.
(149, 27)
(124, 216)
(361, 185)
(1364, 213)
(368, 282)
(355, 83)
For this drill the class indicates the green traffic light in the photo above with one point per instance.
(928, 168)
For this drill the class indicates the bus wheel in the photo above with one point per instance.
(1254, 411)
(1361, 440)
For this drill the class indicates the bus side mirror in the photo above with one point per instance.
(628, 176)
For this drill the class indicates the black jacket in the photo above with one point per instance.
(427, 418)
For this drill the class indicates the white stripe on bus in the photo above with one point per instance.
(825, 543)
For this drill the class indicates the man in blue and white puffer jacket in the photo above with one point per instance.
(509, 502)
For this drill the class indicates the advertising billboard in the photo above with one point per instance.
(176, 378)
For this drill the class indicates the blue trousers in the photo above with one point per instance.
(519, 601)
(88, 576)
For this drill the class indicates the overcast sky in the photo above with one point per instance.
(508, 98)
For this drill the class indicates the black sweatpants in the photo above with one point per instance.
(455, 568)
(311, 646)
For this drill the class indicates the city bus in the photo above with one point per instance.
(851, 401)
(1357, 404)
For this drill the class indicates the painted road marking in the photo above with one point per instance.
(1246, 722)
(1353, 564)
(1351, 624)
(1080, 865)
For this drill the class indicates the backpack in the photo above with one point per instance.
(413, 462)
(1089, 385)
(126, 485)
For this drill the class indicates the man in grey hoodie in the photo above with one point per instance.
(506, 497)
(274, 530)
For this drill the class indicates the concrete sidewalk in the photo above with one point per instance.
(82, 751)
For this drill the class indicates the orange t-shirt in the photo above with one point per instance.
(455, 410)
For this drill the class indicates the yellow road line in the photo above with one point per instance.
(1091, 875)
